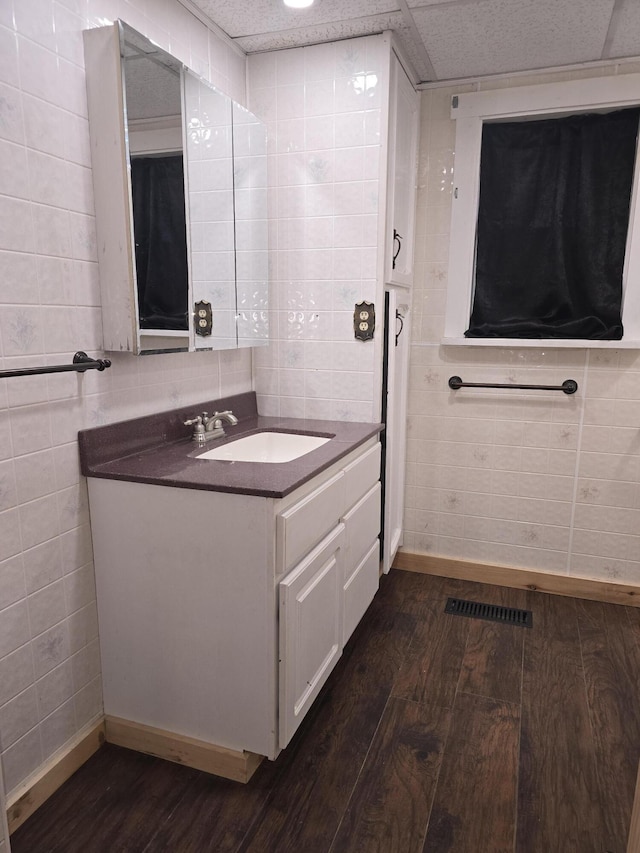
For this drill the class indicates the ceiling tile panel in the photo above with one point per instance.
(414, 52)
(625, 37)
(471, 39)
(253, 17)
(320, 33)
(462, 38)
(418, 4)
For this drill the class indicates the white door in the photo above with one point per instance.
(310, 629)
(397, 366)
(404, 109)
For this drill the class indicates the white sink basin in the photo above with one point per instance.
(266, 447)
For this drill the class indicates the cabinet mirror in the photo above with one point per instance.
(179, 175)
(251, 247)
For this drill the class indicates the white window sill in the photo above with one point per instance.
(164, 333)
(540, 343)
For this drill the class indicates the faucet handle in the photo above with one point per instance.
(198, 428)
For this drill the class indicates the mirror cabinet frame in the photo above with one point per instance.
(225, 207)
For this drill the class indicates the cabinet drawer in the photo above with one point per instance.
(360, 475)
(359, 590)
(363, 525)
(311, 626)
(303, 525)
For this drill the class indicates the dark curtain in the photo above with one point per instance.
(161, 241)
(552, 227)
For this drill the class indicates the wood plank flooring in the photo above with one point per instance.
(435, 734)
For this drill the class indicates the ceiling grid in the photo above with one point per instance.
(447, 40)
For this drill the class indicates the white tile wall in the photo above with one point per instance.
(528, 480)
(50, 684)
(322, 105)
(531, 479)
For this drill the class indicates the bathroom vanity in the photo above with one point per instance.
(226, 590)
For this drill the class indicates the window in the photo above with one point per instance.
(596, 108)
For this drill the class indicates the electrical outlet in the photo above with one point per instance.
(203, 319)
(364, 321)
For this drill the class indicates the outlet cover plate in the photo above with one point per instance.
(364, 321)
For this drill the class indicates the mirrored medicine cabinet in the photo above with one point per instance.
(180, 184)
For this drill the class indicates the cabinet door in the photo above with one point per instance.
(310, 630)
(394, 414)
(209, 157)
(360, 589)
(404, 106)
(362, 558)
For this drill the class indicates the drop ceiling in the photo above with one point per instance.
(445, 39)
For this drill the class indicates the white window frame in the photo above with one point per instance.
(545, 100)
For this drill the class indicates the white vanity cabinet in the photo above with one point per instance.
(222, 615)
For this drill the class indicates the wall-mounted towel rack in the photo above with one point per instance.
(81, 362)
(569, 386)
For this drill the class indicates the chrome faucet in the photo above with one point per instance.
(205, 428)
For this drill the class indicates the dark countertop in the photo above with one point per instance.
(158, 449)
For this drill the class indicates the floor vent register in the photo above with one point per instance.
(489, 612)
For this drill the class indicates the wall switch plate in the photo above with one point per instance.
(364, 321)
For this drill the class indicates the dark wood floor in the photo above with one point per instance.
(435, 733)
